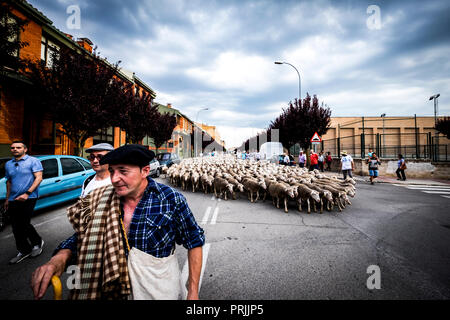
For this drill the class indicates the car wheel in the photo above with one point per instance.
(158, 172)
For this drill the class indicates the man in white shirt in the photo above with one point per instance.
(101, 177)
(286, 159)
(346, 164)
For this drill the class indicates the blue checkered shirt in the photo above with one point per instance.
(161, 219)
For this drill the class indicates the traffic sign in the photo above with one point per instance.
(316, 138)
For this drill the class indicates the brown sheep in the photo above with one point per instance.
(222, 186)
(253, 186)
(277, 191)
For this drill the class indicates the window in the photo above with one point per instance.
(50, 168)
(70, 165)
(10, 25)
(104, 135)
(48, 49)
(85, 164)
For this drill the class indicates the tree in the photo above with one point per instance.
(161, 130)
(138, 116)
(79, 91)
(443, 126)
(10, 44)
(299, 122)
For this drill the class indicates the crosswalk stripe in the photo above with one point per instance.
(443, 191)
(437, 192)
(411, 186)
(429, 189)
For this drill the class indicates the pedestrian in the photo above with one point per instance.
(128, 248)
(329, 160)
(369, 154)
(373, 162)
(321, 161)
(286, 160)
(101, 177)
(347, 164)
(314, 161)
(301, 159)
(401, 164)
(23, 175)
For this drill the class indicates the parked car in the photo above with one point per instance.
(167, 159)
(155, 168)
(62, 179)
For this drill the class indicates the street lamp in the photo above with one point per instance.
(383, 115)
(435, 105)
(196, 121)
(299, 80)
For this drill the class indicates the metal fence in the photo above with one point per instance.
(410, 145)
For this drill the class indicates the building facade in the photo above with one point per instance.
(412, 137)
(17, 121)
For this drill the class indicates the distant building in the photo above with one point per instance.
(213, 132)
(410, 136)
(180, 143)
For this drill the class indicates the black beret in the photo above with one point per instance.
(135, 154)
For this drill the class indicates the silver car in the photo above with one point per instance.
(155, 168)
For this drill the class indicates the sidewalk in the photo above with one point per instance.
(393, 180)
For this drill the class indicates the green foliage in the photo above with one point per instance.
(443, 126)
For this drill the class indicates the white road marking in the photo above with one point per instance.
(185, 271)
(429, 188)
(441, 190)
(416, 186)
(214, 217)
(206, 216)
(213, 197)
(437, 192)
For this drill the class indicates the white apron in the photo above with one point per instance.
(154, 278)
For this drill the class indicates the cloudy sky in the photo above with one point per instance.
(361, 58)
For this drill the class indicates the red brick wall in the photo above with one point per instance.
(33, 35)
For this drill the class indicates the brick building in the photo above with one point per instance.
(410, 136)
(40, 133)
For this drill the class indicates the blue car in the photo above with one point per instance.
(63, 177)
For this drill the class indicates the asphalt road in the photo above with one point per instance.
(255, 251)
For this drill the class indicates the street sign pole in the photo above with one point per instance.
(315, 141)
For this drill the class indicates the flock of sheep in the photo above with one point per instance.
(227, 176)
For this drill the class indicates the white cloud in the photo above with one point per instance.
(236, 70)
(235, 136)
(321, 59)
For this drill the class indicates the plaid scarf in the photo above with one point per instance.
(101, 255)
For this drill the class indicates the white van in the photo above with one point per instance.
(270, 149)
